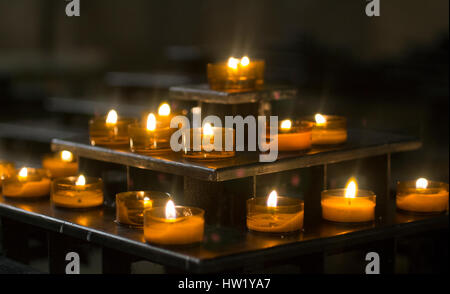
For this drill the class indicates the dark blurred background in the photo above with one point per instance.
(387, 73)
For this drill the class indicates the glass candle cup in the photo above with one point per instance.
(66, 193)
(7, 170)
(338, 208)
(332, 131)
(293, 138)
(35, 183)
(112, 135)
(130, 205)
(199, 144)
(59, 166)
(432, 199)
(186, 228)
(222, 77)
(286, 217)
(149, 142)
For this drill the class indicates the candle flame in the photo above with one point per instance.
(272, 199)
(66, 156)
(81, 181)
(171, 213)
(147, 202)
(112, 117)
(233, 62)
(351, 189)
(151, 122)
(421, 183)
(320, 119)
(164, 109)
(23, 173)
(208, 130)
(286, 124)
(245, 61)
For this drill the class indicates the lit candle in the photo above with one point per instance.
(6, 170)
(275, 214)
(130, 205)
(28, 183)
(111, 131)
(174, 225)
(348, 205)
(206, 138)
(150, 138)
(328, 129)
(236, 74)
(293, 136)
(77, 192)
(61, 164)
(422, 196)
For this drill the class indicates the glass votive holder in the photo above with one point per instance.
(286, 217)
(61, 164)
(338, 208)
(130, 205)
(149, 142)
(112, 135)
(7, 169)
(27, 183)
(430, 199)
(186, 228)
(292, 136)
(204, 147)
(236, 78)
(328, 129)
(70, 193)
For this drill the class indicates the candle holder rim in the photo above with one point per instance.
(120, 119)
(328, 117)
(225, 62)
(332, 193)
(90, 181)
(148, 212)
(433, 187)
(123, 195)
(54, 156)
(141, 126)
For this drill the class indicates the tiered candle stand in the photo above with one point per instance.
(221, 188)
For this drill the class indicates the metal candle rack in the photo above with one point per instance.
(222, 188)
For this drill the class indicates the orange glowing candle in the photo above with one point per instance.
(7, 169)
(422, 196)
(28, 183)
(174, 225)
(275, 214)
(348, 205)
(61, 165)
(77, 192)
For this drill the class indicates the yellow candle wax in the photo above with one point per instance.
(206, 140)
(275, 214)
(28, 183)
(111, 131)
(328, 129)
(294, 136)
(61, 165)
(172, 225)
(348, 205)
(77, 192)
(422, 196)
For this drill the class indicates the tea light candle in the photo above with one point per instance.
(293, 136)
(77, 192)
(328, 129)
(236, 75)
(174, 225)
(111, 131)
(207, 136)
(130, 205)
(150, 139)
(422, 196)
(6, 170)
(348, 205)
(275, 214)
(27, 183)
(60, 165)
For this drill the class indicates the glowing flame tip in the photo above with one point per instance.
(272, 199)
